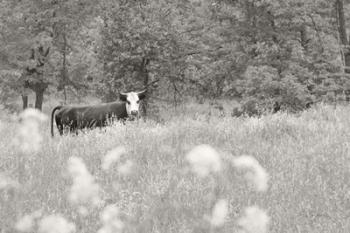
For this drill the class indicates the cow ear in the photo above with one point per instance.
(142, 94)
(122, 96)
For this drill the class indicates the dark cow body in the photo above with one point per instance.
(76, 118)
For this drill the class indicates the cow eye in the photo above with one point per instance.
(128, 101)
(137, 101)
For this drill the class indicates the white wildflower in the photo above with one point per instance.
(112, 156)
(110, 220)
(125, 169)
(204, 160)
(256, 174)
(83, 211)
(55, 224)
(254, 221)
(6, 182)
(32, 113)
(84, 189)
(219, 213)
(28, 136)
(26, 223)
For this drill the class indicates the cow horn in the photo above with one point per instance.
(142, 94)
(122, 96)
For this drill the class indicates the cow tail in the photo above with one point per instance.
(52, 115)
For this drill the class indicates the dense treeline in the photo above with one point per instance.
(270, 54)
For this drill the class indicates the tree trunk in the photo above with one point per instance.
(25, 101)
(39, 89)
(64, 67)
(145, 75)
(342, 34)
(39, 97)
(304, 40)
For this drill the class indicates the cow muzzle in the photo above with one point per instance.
(134, 113)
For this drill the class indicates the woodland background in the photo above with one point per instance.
(267, 54)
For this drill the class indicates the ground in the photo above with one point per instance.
(306, 157)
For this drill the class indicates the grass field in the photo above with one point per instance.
(152, 185)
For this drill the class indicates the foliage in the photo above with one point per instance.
(202, 49)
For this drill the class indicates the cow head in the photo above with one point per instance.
(132, 100)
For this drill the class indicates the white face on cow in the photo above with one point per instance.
(132, 100)
(132, 104)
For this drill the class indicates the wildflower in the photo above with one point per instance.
(204, 159)
(110, 220)
(26, 223)
(254, 221)
(112, 157)
(83, 211)
(28, 136)
(55, 224)
(219, 214)
(256, 175)
(34, 114)
(6, 182)
(125, 169)
(84, 190)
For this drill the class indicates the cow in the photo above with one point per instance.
(77, 118)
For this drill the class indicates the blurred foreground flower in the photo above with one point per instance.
(84, 190)
(254, 221)
(219, 214)
(112, 156)
(6, 182)
(204, 159)
(110, 220)
(28, 137)
(125, 168)
(26, 223)
(55, 224)
(33, 114)
(256, 174)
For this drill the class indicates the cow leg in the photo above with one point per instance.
(59, 125)
(60, 129)
(73, 128)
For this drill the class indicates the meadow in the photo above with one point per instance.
(149, 185)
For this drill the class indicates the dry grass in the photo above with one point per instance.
(306, 157)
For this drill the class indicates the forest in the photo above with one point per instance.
(266, 54)
(246, 114)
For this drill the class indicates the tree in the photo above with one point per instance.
(35, 33)
(288, 49)
(140, 44)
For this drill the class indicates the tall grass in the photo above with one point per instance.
(306, 157)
